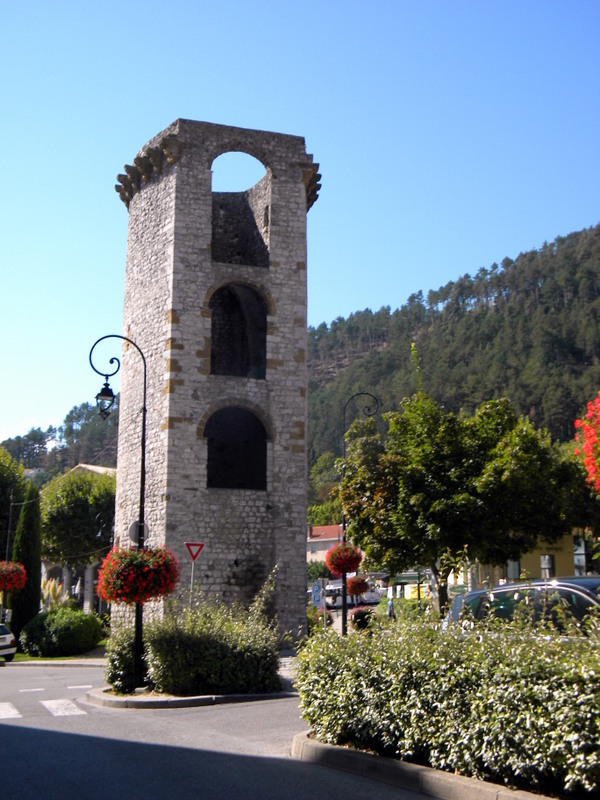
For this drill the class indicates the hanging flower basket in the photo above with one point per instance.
(12, 576)
(136, 576)
(357, 586)
(343, 557)
(361, 617)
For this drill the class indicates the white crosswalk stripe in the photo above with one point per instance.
(8, 711)
(62, 708)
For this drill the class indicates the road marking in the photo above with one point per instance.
(8, 711)
(81, 686)
(62, 708)
(32, 690)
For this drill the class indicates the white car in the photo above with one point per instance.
(8, 644)
(333, 596)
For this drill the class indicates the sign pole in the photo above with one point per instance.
(194, 549)
(192, 581)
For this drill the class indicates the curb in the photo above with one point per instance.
(424, 780)
(83, 662)
(104, 697)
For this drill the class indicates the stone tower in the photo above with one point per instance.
(215, 297)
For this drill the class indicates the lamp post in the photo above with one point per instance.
(104, 401)
(369, 411)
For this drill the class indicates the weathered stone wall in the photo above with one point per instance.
(171, 276)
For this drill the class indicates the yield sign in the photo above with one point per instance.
(194, 549)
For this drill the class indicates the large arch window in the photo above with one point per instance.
(236, 450)
(238, 332)
(240, 216)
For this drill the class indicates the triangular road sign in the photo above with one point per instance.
(194, 549)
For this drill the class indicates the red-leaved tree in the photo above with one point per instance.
(587, 435)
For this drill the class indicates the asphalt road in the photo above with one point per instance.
(54, 744)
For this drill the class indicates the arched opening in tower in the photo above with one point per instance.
(236, 450)
(238, 332)
(240, 219)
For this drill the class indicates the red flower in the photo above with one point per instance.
(357, 585)
(12, 576)
(343, 557)
(136, 576)
(590, 430)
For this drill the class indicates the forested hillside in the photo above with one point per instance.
(527, 329)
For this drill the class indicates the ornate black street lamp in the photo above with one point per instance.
(369, 411)
(104, 401)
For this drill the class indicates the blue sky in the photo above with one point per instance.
(450, 134)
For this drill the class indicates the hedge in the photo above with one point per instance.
(507, 706)
(212, 648)
(61, 632)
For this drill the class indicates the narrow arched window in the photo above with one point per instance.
(238, 332)
(236, 450)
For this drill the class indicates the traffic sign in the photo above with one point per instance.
(316, 594)
(134, 530)
(194, 549)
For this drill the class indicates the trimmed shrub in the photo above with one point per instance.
(61, 632)
(506, 706)
(119, 661)
(212, 648)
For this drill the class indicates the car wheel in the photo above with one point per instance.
(9, 658)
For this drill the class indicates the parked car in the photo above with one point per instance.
(8, 643)
(545, 598)
(589, 582)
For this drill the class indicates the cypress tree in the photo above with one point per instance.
(27, 549)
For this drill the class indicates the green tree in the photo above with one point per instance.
(442, 487)
(316, 570)
(11, 494)
(323, 477)
(31, 449)
(87, 437)
(25, 604)
(327, 513)
(77, 516)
